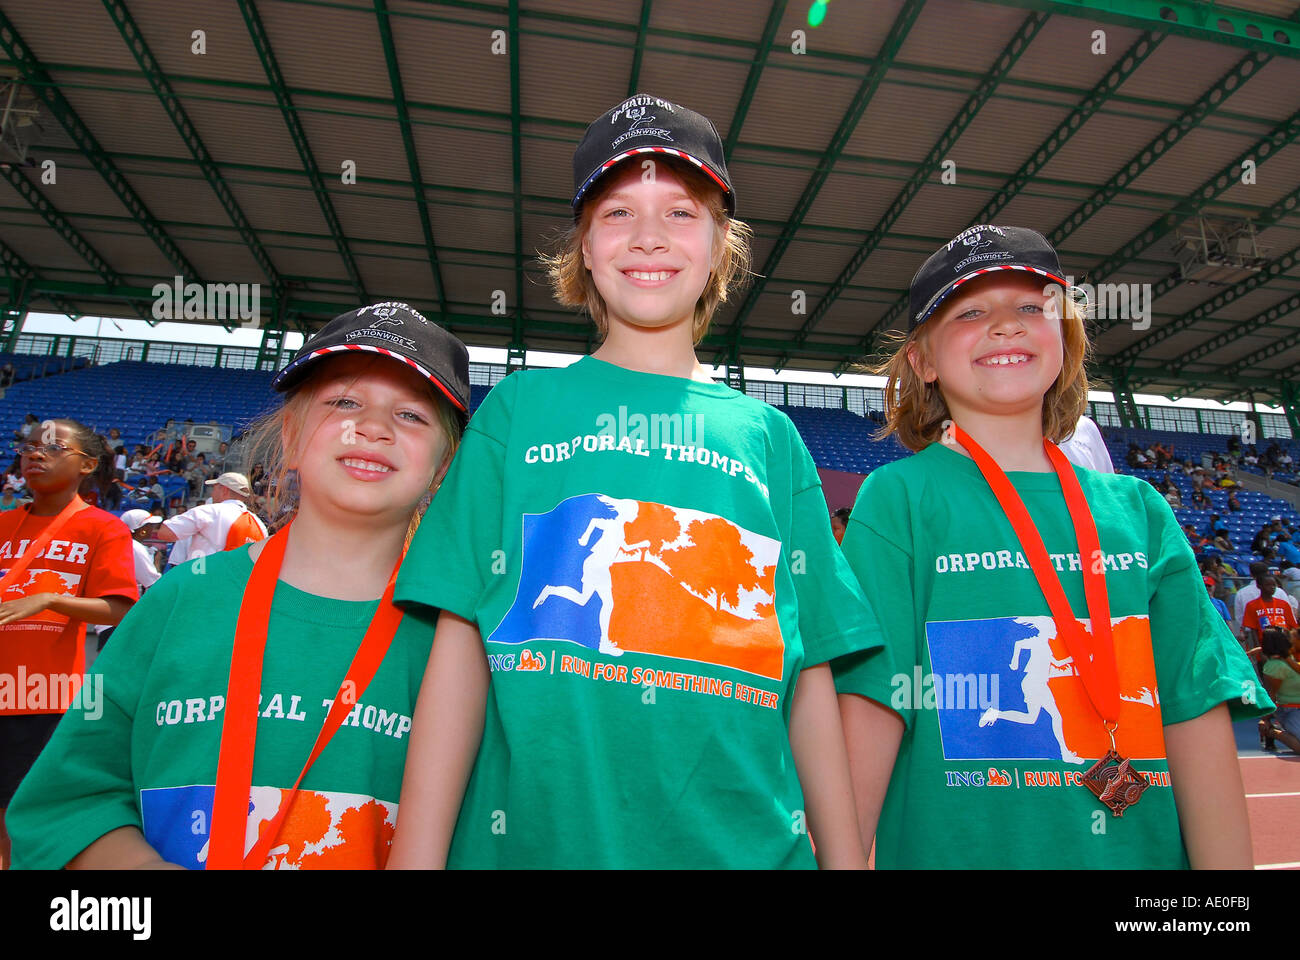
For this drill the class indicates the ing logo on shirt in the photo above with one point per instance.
(618, 575)
(1043, 710)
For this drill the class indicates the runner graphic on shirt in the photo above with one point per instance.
(1040, 666)
(619, 576)
(1039, 708)
(596, 579)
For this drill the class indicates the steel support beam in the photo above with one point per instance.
(1019, 42)
(262, 44)
(40, 82)
(516, 166)
(638, 53)
(64, 228)
(774, 17)
(171, 103)
(848, 123)
(1164, 331)
(1186, 122)
(1188, 18)
(1281, 136)
(1097, 97)
(408, 141)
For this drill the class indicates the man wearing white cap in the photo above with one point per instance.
(224, 524)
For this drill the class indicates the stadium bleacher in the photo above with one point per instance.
(138, 398)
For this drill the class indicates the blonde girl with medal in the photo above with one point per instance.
(1061, 691)
(257, 706)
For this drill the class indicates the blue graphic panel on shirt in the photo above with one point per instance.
(1007, 689)
(346, 831)
(617, 575)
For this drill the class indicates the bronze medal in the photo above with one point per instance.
(1115, 783)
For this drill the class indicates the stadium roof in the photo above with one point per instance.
(228, 165)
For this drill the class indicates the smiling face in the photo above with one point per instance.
(371, 442)
(650, 246)
(994, 347)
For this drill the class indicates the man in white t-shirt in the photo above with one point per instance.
(1251, 592)
(1086, 448)
(208, 525)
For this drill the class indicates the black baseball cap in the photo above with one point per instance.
(648, 124)
(976, 252)
(395, 330)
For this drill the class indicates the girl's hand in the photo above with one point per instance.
(24, 608)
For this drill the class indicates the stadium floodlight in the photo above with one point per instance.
(1219, 252)
(19, 126)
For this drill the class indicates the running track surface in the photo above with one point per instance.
(1272, 783)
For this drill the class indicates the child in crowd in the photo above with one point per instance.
(631, 660)
(65, 564)
(1059, 660)
(235, 670)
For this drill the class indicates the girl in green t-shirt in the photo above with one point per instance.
(369, 425)
(670, 732)
(982, 554)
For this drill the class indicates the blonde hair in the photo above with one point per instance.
(274, 435)
(916, 410)
(572, 283)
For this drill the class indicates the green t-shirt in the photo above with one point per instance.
(999, 726)
(650, 563)
(145, 754)
(1289, 692)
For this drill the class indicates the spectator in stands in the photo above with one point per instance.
(1174, 496)
(114, 436)
(141, 523)
(1289, 580)
(1285, 461)
(7, 375)
(1286, 549)
(1219, 605)
(1262, 539)
(257, 480)
(1199, 500)
(1250, 456)
(1215, 526)
(839, 522)
(223, 524)
(1282, 681)
(1224, 588)
(30, 423)
(8, 501)
(1223, 542)
(1233, 505)
(199, 474)
(1195, 539)
(1267, 610)
(218, 460)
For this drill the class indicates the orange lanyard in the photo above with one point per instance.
(1095, 662)
(231, 799)
(75, 506)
